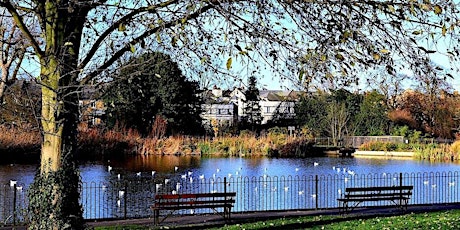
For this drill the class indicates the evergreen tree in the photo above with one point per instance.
(252, 111)
(153, 85)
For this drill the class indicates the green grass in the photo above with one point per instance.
(433, 220)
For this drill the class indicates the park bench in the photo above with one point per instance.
(173, 202)
(398, 195)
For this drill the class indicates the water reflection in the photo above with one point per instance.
(133, 167)
(125, 186)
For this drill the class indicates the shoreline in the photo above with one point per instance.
(35, 157)
(383, 154)
(376, 154)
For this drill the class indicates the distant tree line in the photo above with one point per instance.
(339, 113)
(151, 88)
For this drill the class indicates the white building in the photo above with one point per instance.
(224, 114)
(228, 106)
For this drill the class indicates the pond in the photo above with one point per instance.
(124, 187)
(164, 166)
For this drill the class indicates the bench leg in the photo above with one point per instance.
(226, 213)
(343, 209)
(156, 217)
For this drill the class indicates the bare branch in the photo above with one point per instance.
(20, 23)
(115, 26)
(138, 39)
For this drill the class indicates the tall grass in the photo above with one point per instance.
(122, 141)
(389, 146)
(19, 144)
(437, 152)
(14, 139)
(246, 145)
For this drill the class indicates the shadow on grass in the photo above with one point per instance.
(328, 219)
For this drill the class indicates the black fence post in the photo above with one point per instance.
(400, 179)
(14, 204)
(125, 198)
(316, 191)
(225, 184)
(401, 184)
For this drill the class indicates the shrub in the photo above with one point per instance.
(455, 147)
(436, 152)
(384, 146)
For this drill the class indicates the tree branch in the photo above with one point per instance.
(137, 40)
(21, 25)
(115, 25)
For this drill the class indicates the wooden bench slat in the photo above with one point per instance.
(379, 194)
(385, 188)
(196, 195)
(191, 202)
(399, 195)
(198, 206)
(374, 199)
(172, 202)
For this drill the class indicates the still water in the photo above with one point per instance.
(124, 188)
(141, 167)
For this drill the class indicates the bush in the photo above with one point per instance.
(436, 152)
(455, 147)
(385, 146)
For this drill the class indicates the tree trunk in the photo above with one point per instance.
(54, 194)
(3, 81)
(54, 200)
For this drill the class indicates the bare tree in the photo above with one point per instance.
(337, 117)
(82, 39)
(389, 84)
(13, 48)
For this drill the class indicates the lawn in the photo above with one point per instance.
(433, 220)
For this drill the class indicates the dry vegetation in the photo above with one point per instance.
(98, 142)
(95, 142)
(24, 139)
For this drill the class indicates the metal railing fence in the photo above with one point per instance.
(355, 141)
(132, 199)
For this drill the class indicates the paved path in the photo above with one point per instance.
(204, 221)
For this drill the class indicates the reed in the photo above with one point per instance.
(389, 146)
(19, 139)
(436, 152)
(94, 141)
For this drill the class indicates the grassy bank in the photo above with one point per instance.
(439, 152)
(25, 143)
(434, 152)
(93, 142)
(19, 143)
(272, 144)
(432, 220)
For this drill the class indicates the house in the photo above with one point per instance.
(277, 105)
(92, 109)
(219, 107)
(228, 106)
(224, 114)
